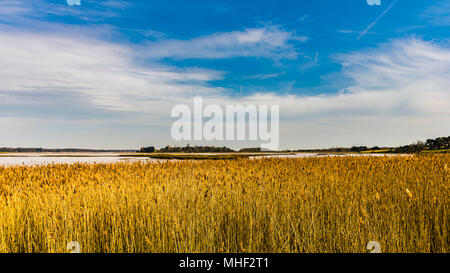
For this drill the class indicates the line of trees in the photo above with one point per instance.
(440, 143)
(147, 150)
(196, 149)
(188, 149)
(250, 150)
(343, 149)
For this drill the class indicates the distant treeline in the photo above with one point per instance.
(188, 149)
(198, 149)
(343, 149)
(67, 150)
(250, 150)
(440, 143)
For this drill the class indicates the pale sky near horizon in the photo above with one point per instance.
(106, 74)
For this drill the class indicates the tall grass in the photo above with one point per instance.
(330, 204)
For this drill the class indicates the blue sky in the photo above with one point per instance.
(105, 74)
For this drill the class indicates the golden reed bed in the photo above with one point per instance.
(331, 204)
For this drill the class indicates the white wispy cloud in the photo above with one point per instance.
(105, 72)
(438, 13)
(406, 77)
(271, 42)
(13, 8)
(26, 12)
(265, 76)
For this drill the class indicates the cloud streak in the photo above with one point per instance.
(9, 8)
(438, 14)
(270, 42)
(21, 12)
(364, 32)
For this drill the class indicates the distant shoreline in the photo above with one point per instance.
(437, 145)
(63, 150)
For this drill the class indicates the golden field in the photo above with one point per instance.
(327, 204)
